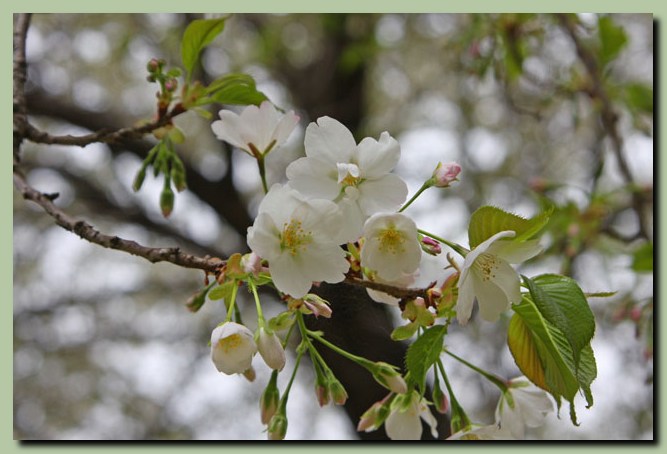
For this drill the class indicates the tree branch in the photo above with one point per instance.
(89, 233)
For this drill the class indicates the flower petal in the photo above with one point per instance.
(285, 127)
(515, 251)
(228, 129)
(287, 278)
(491, 300)
(378, 158)
(403, 425)
(329, 140)
(384, 194)
(465, 299)
(313, 178)
(263, 237)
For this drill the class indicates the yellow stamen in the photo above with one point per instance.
(391, 241)
(294, 238)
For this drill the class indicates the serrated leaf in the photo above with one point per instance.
(233, 89)
(542, 350)
(199, 34)
(563, 304)
(612, 39)
(486, 221)
(423, 353)
(642, 259)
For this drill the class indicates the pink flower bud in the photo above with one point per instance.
(430, 246)
(386, 375)
(171, 85)
(318, 306)
(270, 400)
(322, 393)
(445, 174)
(251, 263)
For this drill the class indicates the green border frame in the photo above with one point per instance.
(659, 9)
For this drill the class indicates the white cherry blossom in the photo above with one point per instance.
(404, 421)
(531, 405)
(299, 239)
(391, 246)
(257, 129)
(488, 276)
(355, 176)
(271, 349)
(232, 348)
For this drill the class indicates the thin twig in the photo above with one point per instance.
(608, 116)
(397, 292)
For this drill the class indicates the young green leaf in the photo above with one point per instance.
(233, 89)
(562, 303)
(612, 39)
(423, 353)
(486, 221)
(199, 34)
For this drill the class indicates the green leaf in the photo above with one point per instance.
(199, 34)
(639, 97)
(642, 259)
(612, 39)
(423, 353)
(233, 89)
(223, 291)
(404, 332)
(486, 221)
(544, 355)
(562, 303)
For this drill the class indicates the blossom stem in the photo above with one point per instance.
(357, 359)
(260, 314)
(283, 400)
(457, 247)
(427, 184)
(232, 302)
(459, 419)
(492, 378)
(262, 172)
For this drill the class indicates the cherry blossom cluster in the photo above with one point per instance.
(340, 213)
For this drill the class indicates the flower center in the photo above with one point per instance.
(487, 265)
(230, 343)
(391, 240)
(294, 238)
(348, 174)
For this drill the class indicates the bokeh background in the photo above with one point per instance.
(104, 347)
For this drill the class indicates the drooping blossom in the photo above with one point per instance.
(391, 246)
(529, 407)
(232, 348)
(355, 176)
(404, 420)
(479, 432)
(270, 348)
(488, 276)
(298, 238)
(256, 130)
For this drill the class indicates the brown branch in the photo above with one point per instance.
(20, 69)
(608, 116)
(89, 233)
(397, 292)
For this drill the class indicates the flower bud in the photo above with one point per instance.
(373, 418)
(440, 401)
(430, 246)
(271, 349)
(277, 427)
(153, 65)
(322, 393)
(270, 399)
(445, 174)
(318, 306)
(171, 85)
(167, 201)
(251, 263)
(139, 179)
(386, 375)
(337, 391)
(232, 348)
